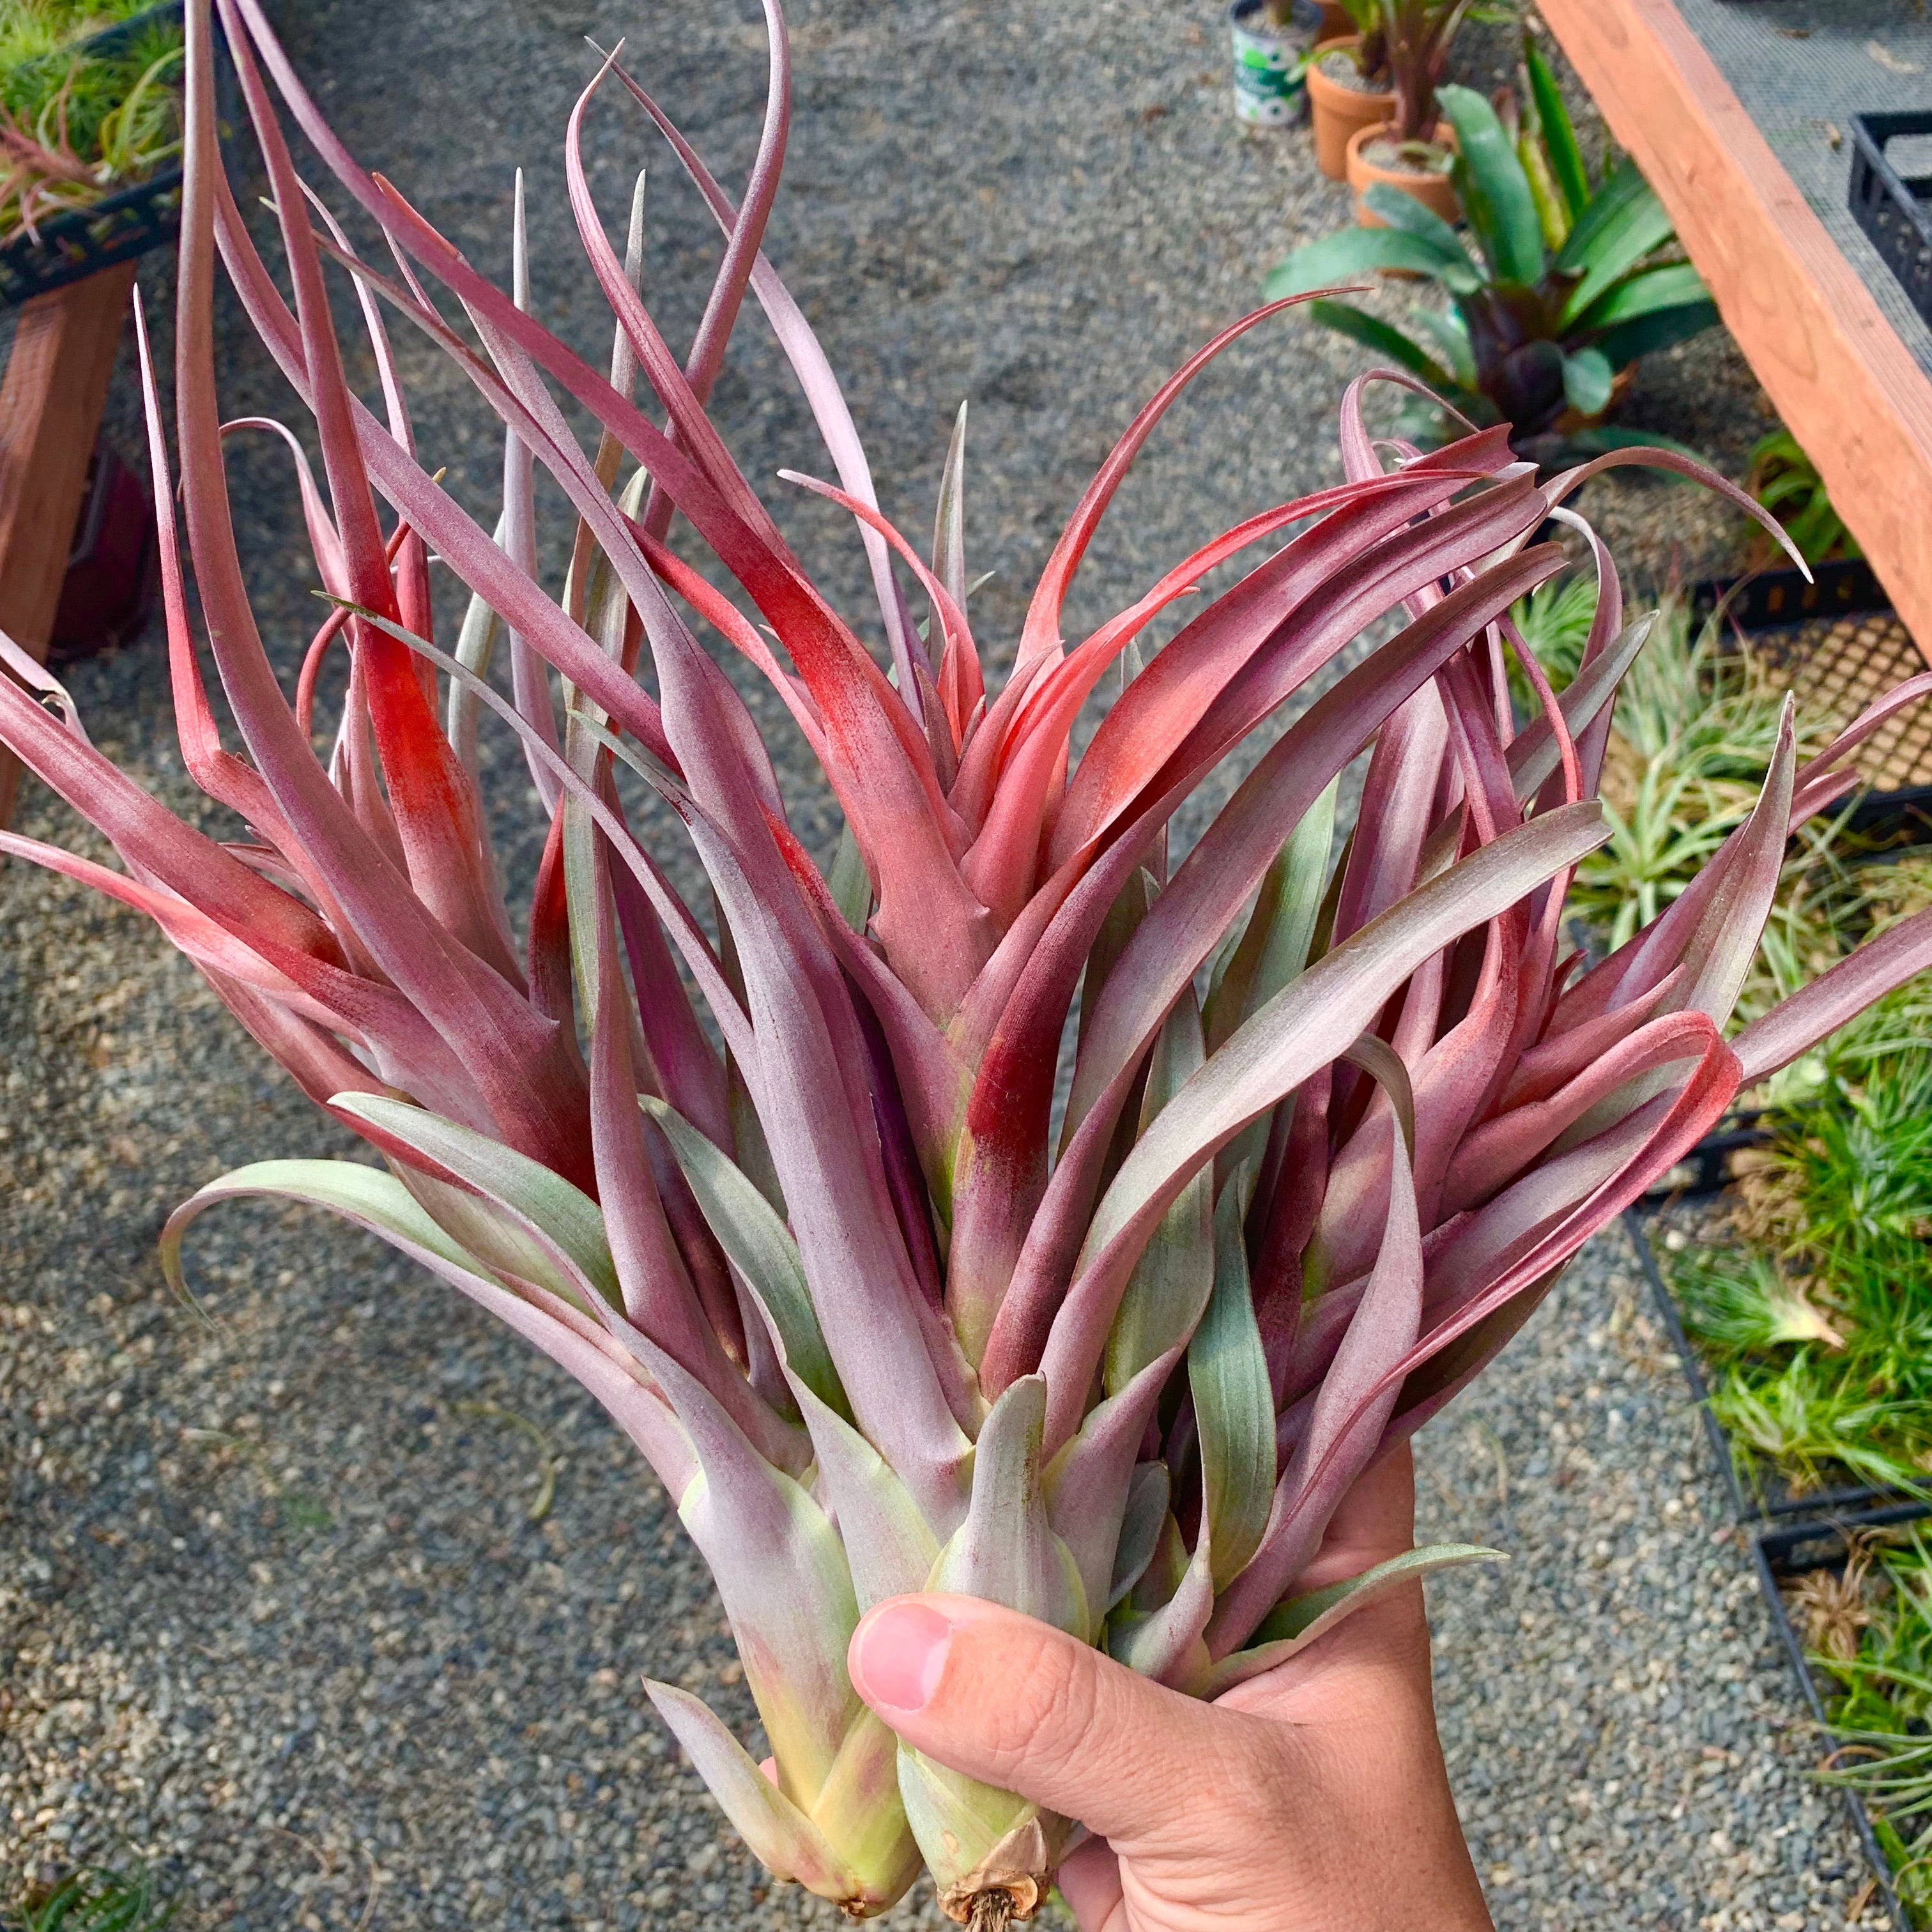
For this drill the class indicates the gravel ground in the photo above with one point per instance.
(336, 1609)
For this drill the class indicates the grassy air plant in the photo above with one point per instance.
(1873, 1634)
(78, 122)
(801, 1221)
(1571, 283)
(1814, 1307)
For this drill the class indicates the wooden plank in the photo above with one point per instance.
(1847, 388)
(51, 400)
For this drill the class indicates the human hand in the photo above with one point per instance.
(1312, 1799)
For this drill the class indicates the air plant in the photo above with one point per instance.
(1880, 1741)
(1570, 282)
(1814, 1307)
(803, 1222)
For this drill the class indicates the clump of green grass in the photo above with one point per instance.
(91, 1900)
(78, 122)
(1872, 1633)
(1816, 1319)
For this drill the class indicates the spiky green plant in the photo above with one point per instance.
(1786, 482)
(801, 1221)
(92, 1899)
(1567, 284)
(1554, 621)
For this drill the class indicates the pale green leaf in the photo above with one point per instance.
(759, 1247)
(1293, 1626)
(1234, 1401)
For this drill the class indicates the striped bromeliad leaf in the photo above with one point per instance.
(783, 1185)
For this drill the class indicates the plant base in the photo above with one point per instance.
(992, 1912)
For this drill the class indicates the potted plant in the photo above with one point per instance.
(1569, 283)
(1272, 41)
(1349, 85)
(1372, 94)
(799, 1220)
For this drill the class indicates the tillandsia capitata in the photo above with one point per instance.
(785, 1189)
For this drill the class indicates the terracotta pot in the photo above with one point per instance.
(1436, 192)
(1339, 111)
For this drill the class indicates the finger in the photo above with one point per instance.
(1025, 1707)
(1381, 1652)
(1089, 1880)
(1375, 1520)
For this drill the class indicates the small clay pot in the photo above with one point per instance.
(1339, 111)
(1436, 192)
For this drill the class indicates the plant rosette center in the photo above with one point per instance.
(1430, 158)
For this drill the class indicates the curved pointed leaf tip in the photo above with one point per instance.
(786, 1191)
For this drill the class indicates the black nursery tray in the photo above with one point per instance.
(1891, 208)
(83, 241)
(1785, 1554)
(1766, 600)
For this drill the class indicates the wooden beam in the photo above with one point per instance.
(1847, 388)
(51, 400)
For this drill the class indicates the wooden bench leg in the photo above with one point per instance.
(52, 397)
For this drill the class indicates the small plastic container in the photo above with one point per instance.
(1271, 62)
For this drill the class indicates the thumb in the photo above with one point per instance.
(1018, 1704)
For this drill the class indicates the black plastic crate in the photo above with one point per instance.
(1793, 1551)
(120, 226)
(1771, 599)
(1891, 208)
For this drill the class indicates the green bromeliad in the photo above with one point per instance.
(1568, 284)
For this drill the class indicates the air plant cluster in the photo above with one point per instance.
(784, 1188)
(86, 107)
